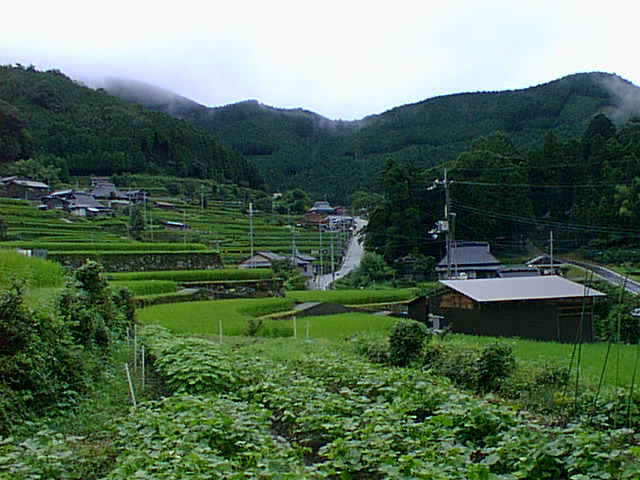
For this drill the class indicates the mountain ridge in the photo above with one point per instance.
(333, 158)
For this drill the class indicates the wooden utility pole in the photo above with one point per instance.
(447, 217)
(251, 234)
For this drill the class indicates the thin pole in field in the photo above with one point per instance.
(142, 368)
(131, 392)
(295, 327)
(220, 330)
(135, 349)
(307, 332)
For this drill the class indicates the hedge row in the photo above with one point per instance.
(182, 276)
(147, 287)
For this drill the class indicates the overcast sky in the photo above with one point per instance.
(342, 59)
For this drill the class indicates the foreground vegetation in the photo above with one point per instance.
(313, 410)
(50, 356)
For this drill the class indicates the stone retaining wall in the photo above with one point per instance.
(142, 262)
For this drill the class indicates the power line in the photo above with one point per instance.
(548, 223)
(532, 185)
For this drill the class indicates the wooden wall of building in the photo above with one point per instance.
(550, 320)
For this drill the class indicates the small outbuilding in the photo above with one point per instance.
(24, 188)
(547, 307)
(261, 260)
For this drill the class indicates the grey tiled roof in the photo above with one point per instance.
(468, 255)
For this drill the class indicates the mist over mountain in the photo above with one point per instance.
(330, 158)
(50, 117)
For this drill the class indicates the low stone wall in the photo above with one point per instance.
(142, 262)
(240, 288)
(216, 291)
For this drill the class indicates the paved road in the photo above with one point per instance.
(605, 273)
(351, 261)
(609, 275)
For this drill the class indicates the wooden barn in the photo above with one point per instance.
(548, 308)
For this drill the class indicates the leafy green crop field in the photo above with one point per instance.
(329, 415)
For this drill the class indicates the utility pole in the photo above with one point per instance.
(551, 251)
(448, 235)
(184, 226)
(251, 233)
(293, 238)
(445, 226)
(144, 211)
(201, 197)
(333, 265)
(321, 253)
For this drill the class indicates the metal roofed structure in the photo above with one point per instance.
(544, 287)
(543, 307)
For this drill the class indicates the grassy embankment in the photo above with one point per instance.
(41, 279)
(620, 364)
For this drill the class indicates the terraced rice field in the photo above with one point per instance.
(221, 225)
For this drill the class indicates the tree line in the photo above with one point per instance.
(585, 188)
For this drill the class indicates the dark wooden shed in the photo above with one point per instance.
(418, 309)
(548, 308)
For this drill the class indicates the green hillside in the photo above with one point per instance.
(334, 158)
(84, 131)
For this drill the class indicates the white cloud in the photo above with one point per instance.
(343, 59)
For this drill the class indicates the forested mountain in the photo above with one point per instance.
(48, 116)
(334, 158)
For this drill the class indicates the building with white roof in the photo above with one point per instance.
(546, 307)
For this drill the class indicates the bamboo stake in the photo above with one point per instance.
(142, 363)
(131, 392)
(135, 348)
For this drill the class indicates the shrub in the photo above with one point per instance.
(182, 276)
(147, 287)
(496, 362)
(406, 340)
(452, 361)
(253, 326)
(39, 363)
(372, 347)
(478, 370)
(376, 352)
(95, 313)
